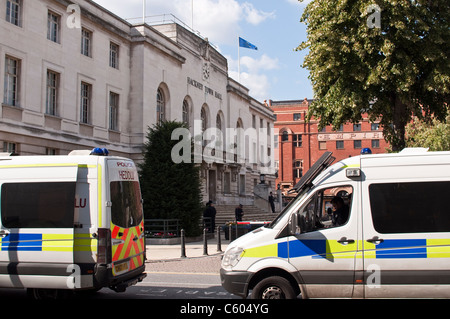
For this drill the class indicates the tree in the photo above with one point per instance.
(169, 190)
(434, 134)
(388, 59)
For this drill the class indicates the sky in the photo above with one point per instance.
(273, 71)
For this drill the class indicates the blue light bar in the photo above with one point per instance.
(366, 151)
(100, 151)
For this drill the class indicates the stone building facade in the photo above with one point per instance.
(76, 76)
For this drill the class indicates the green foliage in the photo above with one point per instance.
(169, 190)
(434, 134)
(392, 73)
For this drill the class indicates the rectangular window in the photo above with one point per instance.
(298, 140)
(85, 102)
(11, 85)
(113, 111)
(375, 143)
(357, 144)
(357, 127)
(339, 145)
(53, 27)
(38, 205)
(375, 126)
(10, 147)
(13, 11)
(114, 55)
(298, 169)
(52, 93)
(86, 38)
(297, 116)
(322, 145)
(410, 207)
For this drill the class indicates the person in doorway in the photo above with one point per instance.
(239, 212)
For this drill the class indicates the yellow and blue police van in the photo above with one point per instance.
(370, 226)
(70, 223)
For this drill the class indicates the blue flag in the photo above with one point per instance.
(245, 44)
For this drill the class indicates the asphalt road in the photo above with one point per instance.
(190, 278)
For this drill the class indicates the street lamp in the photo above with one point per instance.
(262, 178)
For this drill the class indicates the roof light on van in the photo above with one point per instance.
(353, 172)
(366, 151)
(100, 151)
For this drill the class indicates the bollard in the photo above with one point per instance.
(205, 243)
(230, 232)
(183, 244)
(219, 241)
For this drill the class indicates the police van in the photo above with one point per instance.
(371, 226)
(70, 223)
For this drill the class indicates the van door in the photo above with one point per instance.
(324, 252)
(37, 227)
(406, 239)
(127, 220)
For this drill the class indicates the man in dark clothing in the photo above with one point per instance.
(340, 211)
(210, 212)
(272, 202)
(239, 213)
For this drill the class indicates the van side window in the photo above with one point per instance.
(327, 208)
(38, 205)
(126, 209)
(410, 207)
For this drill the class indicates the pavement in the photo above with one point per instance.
(158, 253)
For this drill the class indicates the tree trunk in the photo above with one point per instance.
(400, 117)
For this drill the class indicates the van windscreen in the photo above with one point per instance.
(126, 210)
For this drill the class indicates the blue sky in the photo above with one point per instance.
(274, 71)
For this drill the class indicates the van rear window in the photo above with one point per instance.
(126, 209)
(38, 205)
(410, 207)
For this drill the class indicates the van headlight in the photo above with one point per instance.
(232, 257)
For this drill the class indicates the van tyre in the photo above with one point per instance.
(273, 288)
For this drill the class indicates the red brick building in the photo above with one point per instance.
(300, 144)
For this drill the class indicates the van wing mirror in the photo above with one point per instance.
(294, 225)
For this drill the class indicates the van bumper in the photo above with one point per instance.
(104, 278)
(236, 282)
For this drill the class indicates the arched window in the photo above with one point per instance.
(285, 136)
(186, 112)
(204, 118)
(160, 107)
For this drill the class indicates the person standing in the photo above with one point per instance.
(272, 202)
(239, 212)
(210, 212)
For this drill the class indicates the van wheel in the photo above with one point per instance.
(273, 288)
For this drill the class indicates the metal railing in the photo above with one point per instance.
(162, 228)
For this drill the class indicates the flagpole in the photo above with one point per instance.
(239, 62)
(144, 10)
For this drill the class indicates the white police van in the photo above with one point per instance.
(70, 223)
(371, 226)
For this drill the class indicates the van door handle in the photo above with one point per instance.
(375, 240)
(345, 241)
(3, 233)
